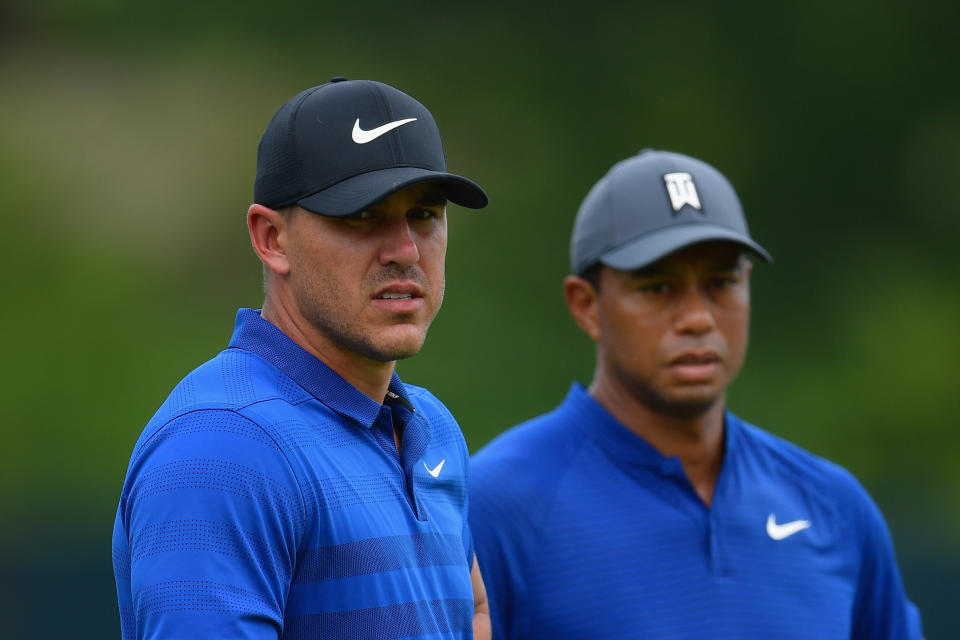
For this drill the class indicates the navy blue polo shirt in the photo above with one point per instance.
(584, 530)
(267, 498)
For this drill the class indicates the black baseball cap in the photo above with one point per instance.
(337, 148)
(651, 205)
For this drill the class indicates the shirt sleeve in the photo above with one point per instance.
(881, 609)
(466, 533)
(207, 531)
(468, 543)
(501, 532)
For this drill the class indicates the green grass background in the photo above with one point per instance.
(127, 149)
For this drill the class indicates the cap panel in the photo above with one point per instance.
(642, 199)
(418, 143)
(593, 233)
(279, 170)
(325, 133)
(656, 202)
(342, 131)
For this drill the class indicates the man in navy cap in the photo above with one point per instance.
(641, 507)
(293, 486)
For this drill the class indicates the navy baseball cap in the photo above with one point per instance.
(337, 148)
(651, 205)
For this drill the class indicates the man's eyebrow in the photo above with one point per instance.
(648, 271)
(733, 263)
(729, 265)
(432, 200)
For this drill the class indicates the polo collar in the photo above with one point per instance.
(624, 445)
(261, 337)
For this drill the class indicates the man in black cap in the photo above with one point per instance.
(293, 486)
(641, 507)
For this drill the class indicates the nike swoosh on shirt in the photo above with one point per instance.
(363, 137)
(436, 470)
(785, 530)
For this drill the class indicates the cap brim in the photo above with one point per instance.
(652, 246)
(359, 192)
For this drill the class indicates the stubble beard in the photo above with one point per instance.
(670, 402)
(321, 311)
(349, 340)
(685, 409)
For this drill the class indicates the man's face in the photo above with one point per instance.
(675, 332)
(371, 283)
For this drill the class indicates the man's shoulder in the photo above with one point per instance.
(534, 455)
(218, 391)
(232, 379)
(777, 456)
(548, 436)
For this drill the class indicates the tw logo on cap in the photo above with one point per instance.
(682, 191)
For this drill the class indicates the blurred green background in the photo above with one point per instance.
(127, 147)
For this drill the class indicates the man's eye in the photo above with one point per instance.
(722, 282)
(422, 214)
(357, 217)
(655, 287)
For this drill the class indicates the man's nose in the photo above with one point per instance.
(694, 314)
(399, 245)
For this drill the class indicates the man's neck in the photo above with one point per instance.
(370, 377)
(695, 438)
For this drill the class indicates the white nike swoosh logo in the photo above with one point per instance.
(436, 470)
(363, 137)
(785, 530)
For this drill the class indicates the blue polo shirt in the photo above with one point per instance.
(266, 498)
(583, 530)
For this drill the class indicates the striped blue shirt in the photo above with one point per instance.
(266, 498)
(583, 530)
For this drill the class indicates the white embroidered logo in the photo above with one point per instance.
(682, 191)
(361, 136)
(785, 530)
(436, 470)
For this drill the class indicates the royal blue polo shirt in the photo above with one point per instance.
(584, 530)
(266, 498)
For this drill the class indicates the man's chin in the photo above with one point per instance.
(691, 407)
(392, 356)
(690, 402)
(397, 349)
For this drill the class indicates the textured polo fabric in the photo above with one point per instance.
(267, 499)
(583, 530)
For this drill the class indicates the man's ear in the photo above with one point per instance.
(268, 235)
(581, 298)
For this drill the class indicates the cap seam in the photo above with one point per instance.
(292, 131)
(388, 115)
(609, 245)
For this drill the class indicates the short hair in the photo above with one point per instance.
(592, 275)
